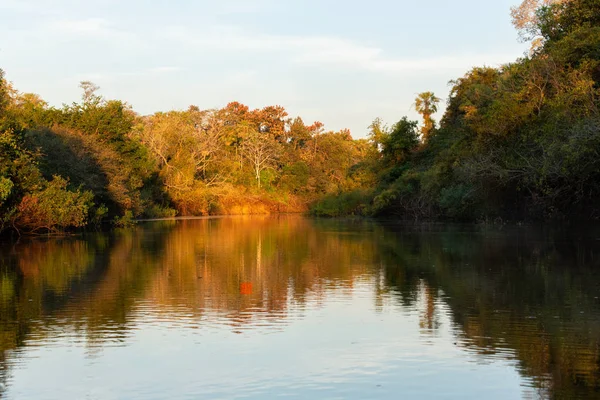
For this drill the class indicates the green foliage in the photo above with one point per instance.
(6, 186)
(378, 134)
(98, 214)
(127, 220)
(561, 19)
(114, 178)
(158, 211)
(193, 162)
(403, 138)
(426, 105)
(521, 141)
(294, 177)
(112, 120)
(348, 203)
(456, 201)
(384, 200)
(6, 118)
(19, 175)
(54, 208)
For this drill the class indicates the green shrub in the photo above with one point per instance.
(54, 208)
(456, 201)
(127, 220)
(6, 186)
(158, 211)
(98, 214)
(344, 204)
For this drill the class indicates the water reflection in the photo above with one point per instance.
(374, 301)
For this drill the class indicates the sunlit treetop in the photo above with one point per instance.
(526, 19)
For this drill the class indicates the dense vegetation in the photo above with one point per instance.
(97, 161)
(520, 141)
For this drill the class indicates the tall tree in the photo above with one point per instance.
(89, 95)
(426, 105)
(402, 139)
(526, 19)
(7, 94)
(261, 151)
(378, 133)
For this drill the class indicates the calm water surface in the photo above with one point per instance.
(266, 307)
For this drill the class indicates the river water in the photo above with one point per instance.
(268, 307)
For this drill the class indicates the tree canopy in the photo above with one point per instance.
(521, 141)
(95, 160)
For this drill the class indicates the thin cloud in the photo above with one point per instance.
(242, 78)
(19, 6)
(85, 29)
(240, 6)
(89, 26)
(374, 62)
(113, 76)
(93, 77)
(165, 69)
(325, 50)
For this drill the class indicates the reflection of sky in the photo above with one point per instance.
(342, 348)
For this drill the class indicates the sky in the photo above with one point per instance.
(341, 62)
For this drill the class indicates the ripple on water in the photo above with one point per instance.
(300, 308)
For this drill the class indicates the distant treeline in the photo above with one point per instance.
(517, 142)
(97, 160)
(521, 142)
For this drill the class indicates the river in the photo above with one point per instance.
(287, 306)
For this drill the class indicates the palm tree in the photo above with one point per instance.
(426, 105)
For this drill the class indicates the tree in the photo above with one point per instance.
(171, 138)
(426, 105)
(526, 19)
(7, 95)
(4, 93)
(195, 161)
(563, 18)
(315, 130)
(402, 139)
(89, 95)
(208, 137)
(54, 208)
(260, 150)
(30, 110)
(377, 134)
(272, 120)
(299, 133)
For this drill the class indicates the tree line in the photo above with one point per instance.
(521, 141)
(98, 161)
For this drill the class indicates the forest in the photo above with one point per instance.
(517, 142)
(98, 161)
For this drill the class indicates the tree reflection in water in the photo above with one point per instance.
(525, 294)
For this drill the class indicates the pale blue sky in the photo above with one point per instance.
(341, 62)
